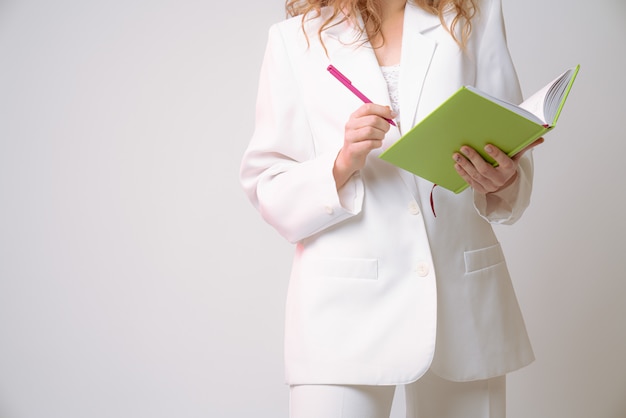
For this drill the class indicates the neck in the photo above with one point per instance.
(391, 8)
(388, 42)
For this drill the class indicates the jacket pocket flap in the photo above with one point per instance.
(483, 258)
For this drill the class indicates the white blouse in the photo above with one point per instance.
(392, 77)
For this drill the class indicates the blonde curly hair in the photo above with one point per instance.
(370, 11)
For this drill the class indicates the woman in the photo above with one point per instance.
(382, 292)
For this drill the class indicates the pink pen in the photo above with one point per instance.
(344, 80)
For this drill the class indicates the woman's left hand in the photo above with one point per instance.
(484, 177)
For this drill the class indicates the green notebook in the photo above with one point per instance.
(474, 118)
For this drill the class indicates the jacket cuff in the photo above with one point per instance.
(506, 206)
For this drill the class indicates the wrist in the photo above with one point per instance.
(508, 183)
(342, 171)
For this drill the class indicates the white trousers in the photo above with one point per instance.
(429, 397)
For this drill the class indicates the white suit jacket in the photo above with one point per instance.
(381, 290)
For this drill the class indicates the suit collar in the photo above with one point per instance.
(421, 20)
(347, 30)
(417, 54)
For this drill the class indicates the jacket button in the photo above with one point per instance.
(328, 209)
(422, 269)
(414, 209)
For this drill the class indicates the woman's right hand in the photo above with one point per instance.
(364, 132)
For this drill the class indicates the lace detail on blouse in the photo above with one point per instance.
(392, 77)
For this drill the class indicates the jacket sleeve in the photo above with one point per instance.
(497, 76)
(290, 184)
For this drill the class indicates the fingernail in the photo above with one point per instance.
(489, 148)
(394, 114)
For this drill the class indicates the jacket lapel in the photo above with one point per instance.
(417, 54)
(352, 54)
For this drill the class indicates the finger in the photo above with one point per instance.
(468, 169)
(381, 111)
(479, 164)
(366, 121)
(506, 170)
(365, 133)
(485, 176)
(481, 174)
(506, 163)
(355, 154)
(519, 155)
(366, 128)
(473, 183)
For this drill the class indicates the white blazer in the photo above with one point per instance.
(381, 290)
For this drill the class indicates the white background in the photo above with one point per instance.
(137, 281)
